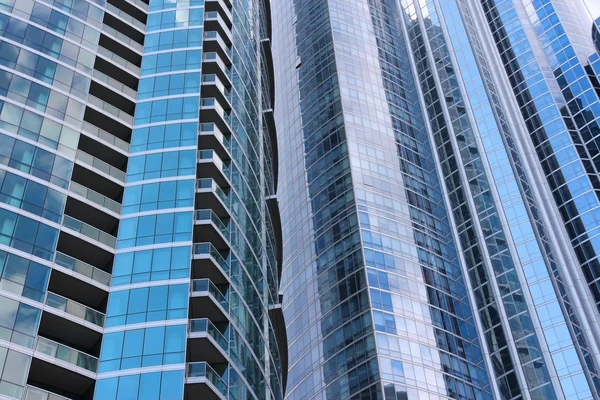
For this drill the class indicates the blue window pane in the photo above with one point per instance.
(154, 340)
(128, 387)
(138, 300)
(150, 387)
(106, 389)
(112, 344)
(133, 343)
(171, 385)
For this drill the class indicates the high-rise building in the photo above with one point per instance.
(440, 198)
(140, 239)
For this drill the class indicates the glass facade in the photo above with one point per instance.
(140, 235)
(439, 198)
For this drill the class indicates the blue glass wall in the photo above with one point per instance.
(143, 348)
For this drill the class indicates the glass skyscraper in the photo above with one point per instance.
(140, 236)
(440, 198)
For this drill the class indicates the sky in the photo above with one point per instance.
(594, 6)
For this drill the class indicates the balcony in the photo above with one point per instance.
(206, 342)
(72, 322)
(211, 138)
(212, 87)
(210, 228)
(210, 165)
(126, 17)
(87, 232)
(120, 115)
(82, 270)
(79, 281)
(213, 42)
(207, 301)
(210, 195)
(96, 198)
(114, 84)
(100, 167)
(213, 111)
(112, 64)
(212, 63)
(89, 252)
(123, 39)
(209, 263)
(34, 393)
(213, 21)
(86, 243)
(106, 137)
(91, 208)
(203, 382)
(221, 6)
(76, 310)
(138, 3)
(55, 363)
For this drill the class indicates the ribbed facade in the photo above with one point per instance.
(140, 236)
(439, 198)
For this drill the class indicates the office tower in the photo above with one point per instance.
(439, 198)
(139, 229)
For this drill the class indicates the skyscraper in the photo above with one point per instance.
(140, 239)
(440, 198)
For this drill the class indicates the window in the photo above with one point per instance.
(161, 165)
(27, 235)
(18, 322)
(166, 110)
(166, 385)
(164, 136)
(31, 196)
(23, 277)
(156, 196)
(151, 265)
(14, 367)
(143, 348)
(156, 303)
(35, 161)
(171, 61)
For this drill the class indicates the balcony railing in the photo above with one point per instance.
(214, 157)
(125, 16)
(34, 393)
(109, 108)
(203, 325)
(100, 165)
(75, 309)
(123, 38)
(202, 215)
(95, 197)
(209, 249)
(203, 370)
(89, 231)
(209, 183)
(119, 60)
(205, 285)
(66, 354)
(114, 83)
(139, 3)
(107, 137)
(82, 268)
(215, 36)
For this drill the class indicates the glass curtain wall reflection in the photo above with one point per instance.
(140, 235)
(438, 230)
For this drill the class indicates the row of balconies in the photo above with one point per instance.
(208, 349)
(69, 339)
(65, 359)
